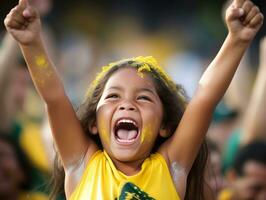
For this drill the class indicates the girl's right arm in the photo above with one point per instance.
(23, 23)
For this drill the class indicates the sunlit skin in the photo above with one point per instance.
(41, 61)
(137, 100)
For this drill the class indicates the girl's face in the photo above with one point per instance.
(129, 115)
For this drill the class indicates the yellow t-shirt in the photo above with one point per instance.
(225, 194)
(102, 181)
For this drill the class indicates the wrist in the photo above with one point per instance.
(235, 40)
(35, 42)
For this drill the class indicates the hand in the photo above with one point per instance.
(23, 23)
(243, 19)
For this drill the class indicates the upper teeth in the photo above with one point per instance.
(126, 121)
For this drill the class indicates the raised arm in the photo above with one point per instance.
(254, 124)
(8, 56)
(23, 23)
(243, 21)
(8, 61)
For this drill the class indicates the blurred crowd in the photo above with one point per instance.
(183, 36)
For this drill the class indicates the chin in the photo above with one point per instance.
(124, 155)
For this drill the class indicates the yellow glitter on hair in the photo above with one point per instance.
(142, 64)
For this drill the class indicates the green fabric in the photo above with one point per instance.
(133, 192)
(222, 112)
(39, 179)
(231, 149)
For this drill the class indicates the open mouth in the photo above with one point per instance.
(126, 131)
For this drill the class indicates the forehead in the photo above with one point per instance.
(130, 77)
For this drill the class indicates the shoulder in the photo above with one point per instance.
(177, 172)
(77, 173)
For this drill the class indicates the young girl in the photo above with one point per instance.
(130, 107)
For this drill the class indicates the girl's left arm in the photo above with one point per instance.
(243, 20)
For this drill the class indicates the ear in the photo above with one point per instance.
(164, 133)
(93, 128)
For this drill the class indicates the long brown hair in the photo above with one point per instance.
(174, 104)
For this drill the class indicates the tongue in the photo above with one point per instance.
(126, 134)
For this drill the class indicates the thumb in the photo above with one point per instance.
(30, 13)
(234, 13)
(23, 3)
(27, 10)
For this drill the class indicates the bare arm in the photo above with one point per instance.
(23, 22)
(185, 143)
(254, 124)
(8, 58)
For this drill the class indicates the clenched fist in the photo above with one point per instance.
(23, 23)
(243, 19)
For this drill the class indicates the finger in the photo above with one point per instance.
(30, 13)
(13, 24)
(247, 6)
(256, 21)
(22, 5)
(238, 3)
(255, 10)
(14, 14)
(234, 13)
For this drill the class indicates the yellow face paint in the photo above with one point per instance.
(104, 132)
(41, 61)
(44, 72)
(146, 133)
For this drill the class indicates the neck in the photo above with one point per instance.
(128, 168)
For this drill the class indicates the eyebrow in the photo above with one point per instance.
(139, 90)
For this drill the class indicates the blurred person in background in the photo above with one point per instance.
(15, 172)
(15, 123)
(251, 125)
(21, 113)
(214, 176)
(247, 176)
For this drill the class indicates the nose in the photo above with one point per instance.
(126, 105)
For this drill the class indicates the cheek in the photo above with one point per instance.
(151, 126)
(103, 130)
(104, 117)
(147, 133)
(154, 117)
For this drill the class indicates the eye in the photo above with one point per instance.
(112, 96)
(144, 97)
